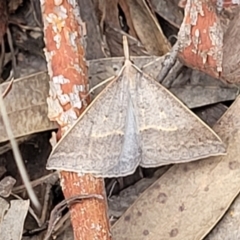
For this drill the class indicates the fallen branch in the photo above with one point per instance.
(64, 38)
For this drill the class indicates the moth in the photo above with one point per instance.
(133, 121)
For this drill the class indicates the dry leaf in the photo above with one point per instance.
(169, 10)
(228, 227)
(147, 28)
(26, 106)
(3, 208)
(12, 225)
(6, 186)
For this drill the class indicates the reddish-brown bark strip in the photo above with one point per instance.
(64, 38)
(204, 38)
(201, 37)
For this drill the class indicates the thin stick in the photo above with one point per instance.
(14, 63)
(7, 90)
(17, 155)
(168, 62)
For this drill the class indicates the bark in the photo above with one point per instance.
(209, 39)
(65, 53)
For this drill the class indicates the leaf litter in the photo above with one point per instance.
(205, 92)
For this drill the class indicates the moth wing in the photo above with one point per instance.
(96, 143)
(169, 131)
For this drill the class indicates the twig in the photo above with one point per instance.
(30, 210)
(50, 178)
(34, 15)
(17, 155)
(65, 32)
(7, 90)
(14, 63)
(46, 202)
(61, 225)
(57, 211)
(168, 62)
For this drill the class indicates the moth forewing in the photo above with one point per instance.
(169, 131)
(104, 139)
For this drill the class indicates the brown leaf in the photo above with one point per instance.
(26, 106)
(123, 4)
(147, 28)
(13, 221)
(228, 227)
(94, 48)
(169, 10)
(11, 226)
(114, 39)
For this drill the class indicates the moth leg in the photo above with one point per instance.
(173, 74)
(168, 62)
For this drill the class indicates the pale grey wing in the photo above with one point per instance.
(94, 144)
(131, 154)
(170, 132)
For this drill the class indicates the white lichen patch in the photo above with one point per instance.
(72, 36)
(216, 36)
(97, 227)
(61, 12)
(184, 36)
(77, 17)
(57, 22)
(196, 40)
(81, 25)
(49, 56)
(54, 108)
(57, 39)
(236, 2)
(42, 2)
(58, 2)
(77, 67)
(60, 79)
(78, 88)
(67, 118)
(195, 9)
(54, 89)
(73, 3)
(64, 99)
(75, 100)
(204, 56)
(53, 139)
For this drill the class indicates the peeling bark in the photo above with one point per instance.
(208, 34)
(201, 37)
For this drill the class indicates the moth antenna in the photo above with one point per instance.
(125, 48)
